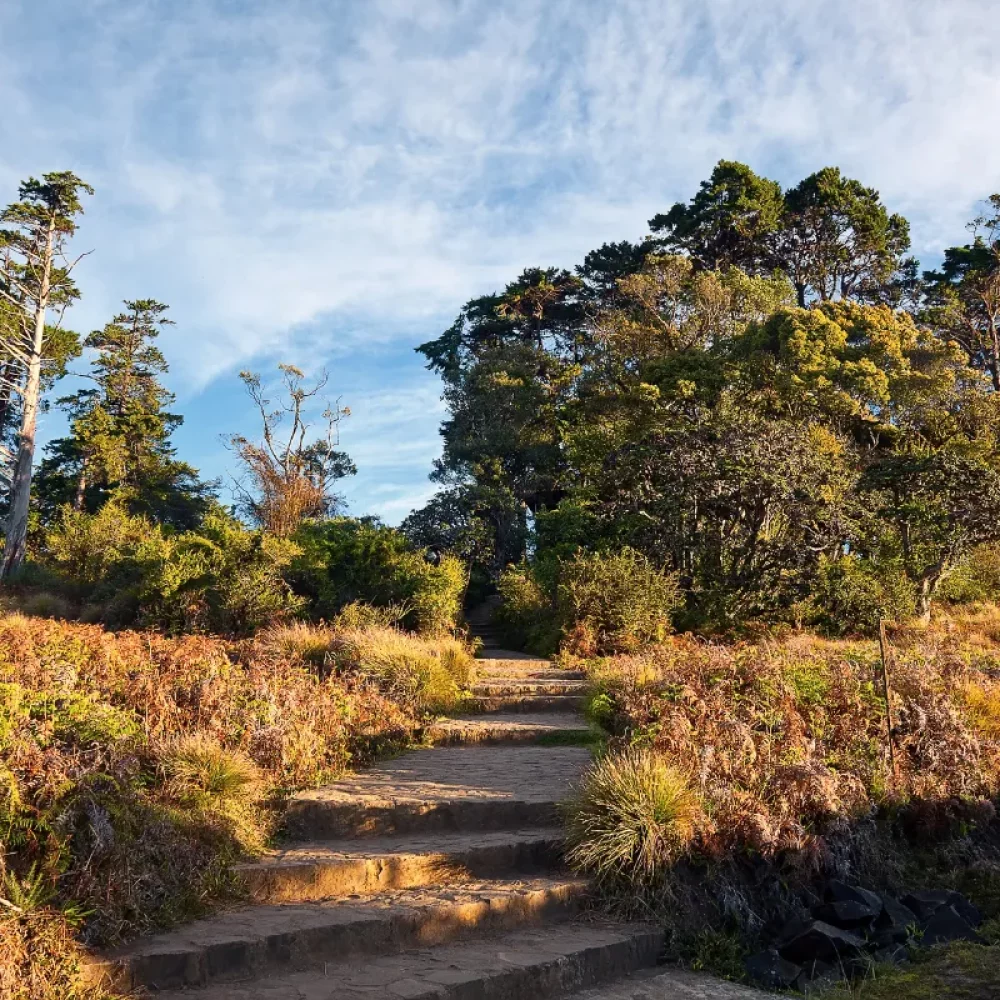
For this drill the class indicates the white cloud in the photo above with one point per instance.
(304, 178)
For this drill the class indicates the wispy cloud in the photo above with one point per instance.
(330, 181)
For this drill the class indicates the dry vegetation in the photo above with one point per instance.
(135, 769)
(737, 774)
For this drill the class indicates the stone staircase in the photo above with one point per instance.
(433, 876)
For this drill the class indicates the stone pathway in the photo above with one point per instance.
(433, 875)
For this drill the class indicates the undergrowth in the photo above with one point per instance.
(136, 769)
(738, 776)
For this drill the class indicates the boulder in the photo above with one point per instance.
(926, 902)
(895, 921)
(836, 891)
(947, 925)
(966, 910)
(847, 914)
(818, 941)
(770, 970)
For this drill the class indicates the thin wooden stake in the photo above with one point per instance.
(883, 645)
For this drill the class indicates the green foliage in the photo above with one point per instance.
(851, 595)
(976, 578)
(128, 570)
(619, 600)
(344, 560)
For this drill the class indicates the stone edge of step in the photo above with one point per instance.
(627, 948)
(166, 962)
(322, 876)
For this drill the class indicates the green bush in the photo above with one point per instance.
(617, 601)
(527, 615)
(975, 579)
(594, 602)
(128, 571)
(851, 595)
(347, 560)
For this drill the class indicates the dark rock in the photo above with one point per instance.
(966, 910)
(925, 902)
(770, 970)
(836, 891)
(946, 925)
(819, 941)
(895, 920)
(847, 914)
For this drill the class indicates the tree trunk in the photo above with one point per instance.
(16, 530)
(81, 486)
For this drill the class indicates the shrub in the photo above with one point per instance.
(851, 595)
(429, 676)
(527, 613)
(633, 815)
(222, 578)
(975, 579)
(618, 600)
(344, 561)
(592, 603)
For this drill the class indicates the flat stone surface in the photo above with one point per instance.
(538, 963)
(257, 940)
(503, 727)
(494, 686)
(402, 845)
(672, 984)
(461, 774)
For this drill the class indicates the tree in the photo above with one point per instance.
(119, 442)
(837, 240)
(35, 275)
(730, 222)
(964, 296)
(285, 480)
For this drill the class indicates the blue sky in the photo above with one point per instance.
(326, 182)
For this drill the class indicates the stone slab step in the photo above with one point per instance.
(529, 670)
(672, 984)
(524, 965)
(442, 789)
(368, 865)
(522, 704)
(506, 728)
(491, 686)
(264, 940)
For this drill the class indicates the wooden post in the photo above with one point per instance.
(883, 645)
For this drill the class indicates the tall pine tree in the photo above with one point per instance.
(119, 441)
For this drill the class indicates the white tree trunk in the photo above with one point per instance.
(16, 529)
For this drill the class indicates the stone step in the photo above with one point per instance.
(320, 870)
(493, 686)
(263, 940)
(525, 670)
(524, 965)
(521, 704)
(442, 789)
(507, 728)
(672, 984)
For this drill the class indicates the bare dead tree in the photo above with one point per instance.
(285, 480)
(35, 276)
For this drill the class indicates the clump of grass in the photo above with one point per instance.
(633, 815)
(200, 768)
(429, 675)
